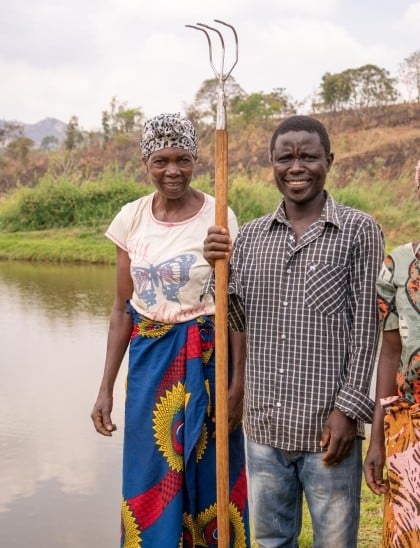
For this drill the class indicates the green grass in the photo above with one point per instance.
(59, 245)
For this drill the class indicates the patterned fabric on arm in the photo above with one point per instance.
(401, 524)
(399, 304)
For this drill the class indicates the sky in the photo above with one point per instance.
(61, 59)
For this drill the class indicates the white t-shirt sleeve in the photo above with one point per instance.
(119, 229)
(232, 224)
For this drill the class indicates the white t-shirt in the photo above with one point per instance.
(167, 264)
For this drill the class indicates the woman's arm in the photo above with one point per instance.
(119, 333)
(389, 360)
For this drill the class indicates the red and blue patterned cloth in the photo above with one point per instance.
(169, 468)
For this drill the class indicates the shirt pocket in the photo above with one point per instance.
(326, 287)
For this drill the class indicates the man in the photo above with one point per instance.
(302, 286)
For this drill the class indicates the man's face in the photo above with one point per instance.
(300, 166)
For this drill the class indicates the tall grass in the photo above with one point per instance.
(394, 204)
(61, 203)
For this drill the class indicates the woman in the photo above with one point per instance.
(169, 486)
(395, 436)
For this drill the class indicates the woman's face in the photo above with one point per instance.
(170, 170)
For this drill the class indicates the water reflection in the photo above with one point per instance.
(59, 480)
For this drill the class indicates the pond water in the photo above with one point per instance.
(59, 479)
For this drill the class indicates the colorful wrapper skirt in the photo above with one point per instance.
(169, 468)
(401, 526)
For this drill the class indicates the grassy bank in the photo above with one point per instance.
(57, 245)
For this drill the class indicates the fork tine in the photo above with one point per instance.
(210, 48)
(226, 76)
(222, 64)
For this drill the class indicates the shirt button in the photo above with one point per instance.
(289, 271)
(285, 303)
(278, 404)
(281, 370)
(282, 336)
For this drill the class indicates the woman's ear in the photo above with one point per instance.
(145, 164)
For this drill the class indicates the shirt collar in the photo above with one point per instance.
(329, 213)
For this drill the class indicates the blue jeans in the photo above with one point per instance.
(277, 480)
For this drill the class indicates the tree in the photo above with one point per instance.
(120, 119)
(50, 142)
(336, 90)
(74, 135)
(204, 108)
(261, 107)
(410, 73)
(19, 149)
(9, 131)
(372, 86)
(361, 87)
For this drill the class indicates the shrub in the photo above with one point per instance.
(61, 203)
(250, 199)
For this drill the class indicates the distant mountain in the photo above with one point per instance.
(49, 127)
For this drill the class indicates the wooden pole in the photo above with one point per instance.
(221, 345)
(221, 287)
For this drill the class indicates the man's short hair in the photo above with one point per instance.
(302, 123)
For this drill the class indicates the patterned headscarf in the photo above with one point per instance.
(168, 130)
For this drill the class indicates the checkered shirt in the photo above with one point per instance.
(309, 311)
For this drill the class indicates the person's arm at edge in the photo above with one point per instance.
(389, 359)
(119, 333)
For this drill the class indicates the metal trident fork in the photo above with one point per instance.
(221, 75)
(221, 283)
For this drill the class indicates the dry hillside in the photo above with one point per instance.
(385, 141)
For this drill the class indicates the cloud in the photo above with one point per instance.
(34, 93)
(48, 33)
(411, 17)
(62, 59)
(296, 55)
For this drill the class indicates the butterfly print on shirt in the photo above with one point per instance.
(170, 275)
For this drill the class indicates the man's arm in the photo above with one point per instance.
(353, 400)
